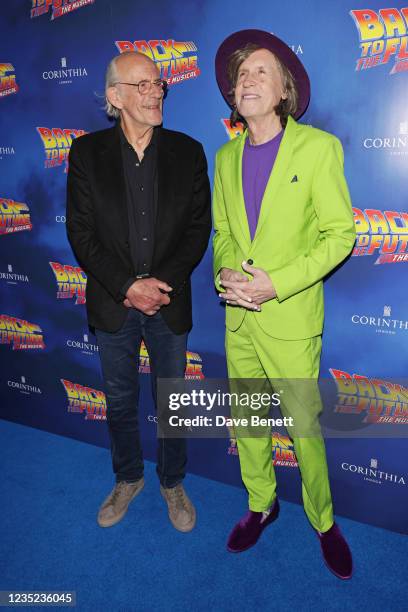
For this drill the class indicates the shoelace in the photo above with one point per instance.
(119, 491)
(177, 496)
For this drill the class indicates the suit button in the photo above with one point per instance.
(250, 262)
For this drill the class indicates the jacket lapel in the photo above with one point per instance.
(111, 179)
(166, 160)
(283, 159)
(237, 190)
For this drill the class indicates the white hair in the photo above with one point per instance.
(112, 77)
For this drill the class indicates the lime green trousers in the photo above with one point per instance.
(293, 367)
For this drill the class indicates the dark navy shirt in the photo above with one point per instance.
(141, 183)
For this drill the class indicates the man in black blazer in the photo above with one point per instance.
(138, 220)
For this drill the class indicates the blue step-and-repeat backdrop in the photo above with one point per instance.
(53, 56)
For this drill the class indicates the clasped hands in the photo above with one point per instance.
(147, 295)
(245, 292)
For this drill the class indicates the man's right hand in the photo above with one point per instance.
(145, 295)
(236, 296)
(227, 274)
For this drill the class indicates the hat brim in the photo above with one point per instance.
(274, 44)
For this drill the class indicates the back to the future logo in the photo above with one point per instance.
(194, 364)
(283, 452)
(383, 35)
(71, 281)
(232, 131)
(381, 233)
(57, 143)
(20, 334)
(376, 400)
(14, 216)
(177, 61)
(85, 400)
(8, 83)
(58, 8)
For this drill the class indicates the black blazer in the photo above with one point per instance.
(98, 228)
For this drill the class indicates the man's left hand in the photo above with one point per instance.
(260, 289)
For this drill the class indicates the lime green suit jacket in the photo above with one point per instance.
(305, 227)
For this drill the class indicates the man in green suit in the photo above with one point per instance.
(283, 221)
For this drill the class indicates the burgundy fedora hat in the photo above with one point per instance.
(277, 47)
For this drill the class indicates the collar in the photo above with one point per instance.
(126, 144)
(265, 145)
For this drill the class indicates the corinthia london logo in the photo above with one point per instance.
(381, 324)
(394, 144)
(373, 474)
(12, 278)
(23, 386)
(65, 74)
(84, 346)
(6, 151)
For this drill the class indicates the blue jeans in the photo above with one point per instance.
(119, 354)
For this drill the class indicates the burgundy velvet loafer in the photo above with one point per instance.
(336, 552)
(246, 533)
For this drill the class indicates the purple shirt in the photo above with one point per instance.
(257, 164)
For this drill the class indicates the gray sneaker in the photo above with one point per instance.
(182, 513)
(116, 504)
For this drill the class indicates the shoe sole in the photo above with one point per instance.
(182, 529)
(122, 514)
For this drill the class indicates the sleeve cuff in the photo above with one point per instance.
(217, 280)
(123, 290)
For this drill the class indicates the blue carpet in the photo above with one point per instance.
(52, 486)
